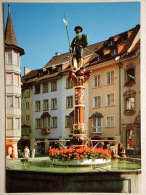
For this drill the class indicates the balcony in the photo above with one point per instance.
(45, 131)
(96, 130)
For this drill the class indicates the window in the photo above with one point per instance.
(54, 86)
(27, 118)
(15, 58)
(9, 123)
(109, 77)
(27, 106)
(37, 106)
(37, 89)
(110, 43)
(54, 122)
(26, 93)
(54, 104)
(68, 83)
(9, 101)
(130, 75)
(9, 78)
(130, 103)
(69, 102)
(9, 57)
(44, 122)
(110, 121)
(97, 101)
(45, 87)
(38, 123)
(17, 105)
(69, 120)
(114, 52)
(97, 80)
(45, 105)
(17, 123)
(16, 79)
(110, 99)
(96, 125)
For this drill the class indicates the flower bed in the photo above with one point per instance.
(80, 154)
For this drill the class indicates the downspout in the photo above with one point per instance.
(117, 60)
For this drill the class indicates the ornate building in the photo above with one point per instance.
(13, 84)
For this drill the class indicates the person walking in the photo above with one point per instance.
(26, 152)
(33, 153)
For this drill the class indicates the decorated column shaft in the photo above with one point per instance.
(79, 79)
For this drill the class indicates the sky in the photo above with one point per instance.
(40, 30)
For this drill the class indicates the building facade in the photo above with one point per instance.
(13, 85)
(105, 94)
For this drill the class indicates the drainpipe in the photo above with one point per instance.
(117, 60)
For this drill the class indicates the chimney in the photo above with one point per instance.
(26, 70)
(57, 54)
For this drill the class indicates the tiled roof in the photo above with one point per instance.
(64, 58)
(10, 38)
(95, 51)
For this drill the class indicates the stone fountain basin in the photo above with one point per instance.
(87, 162)
(120, 179)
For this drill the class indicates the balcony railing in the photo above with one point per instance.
(97, 130)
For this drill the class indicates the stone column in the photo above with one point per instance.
(79, 79)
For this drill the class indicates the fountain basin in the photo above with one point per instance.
(87, 162)
(121, 176)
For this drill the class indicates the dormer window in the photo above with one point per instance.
(110, 43)
(114, 52)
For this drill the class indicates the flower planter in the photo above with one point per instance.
(87, 162)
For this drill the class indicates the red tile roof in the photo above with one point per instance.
(93, 51)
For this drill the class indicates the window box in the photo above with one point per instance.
(129, 83)
(129, 112)
(45, 131)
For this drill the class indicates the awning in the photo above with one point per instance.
(96, 114)
(45, 114)
(25, 125)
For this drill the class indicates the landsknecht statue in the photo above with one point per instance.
(78, 43)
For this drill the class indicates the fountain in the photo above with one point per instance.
(92, 168)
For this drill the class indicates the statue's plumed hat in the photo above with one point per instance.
(78, 27)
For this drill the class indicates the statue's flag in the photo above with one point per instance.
(65, 21)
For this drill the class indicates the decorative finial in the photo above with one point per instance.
(8, 8)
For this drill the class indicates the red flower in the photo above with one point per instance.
(78, 158)
(81, 156)
(86, 156)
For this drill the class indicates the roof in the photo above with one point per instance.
(66, 57)
(93, 54)
(45, 114)
(10, 38)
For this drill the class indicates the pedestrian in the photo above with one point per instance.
(33, 153)
(121, 150)
(114, 150)
(13, 153)
(26, 152)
